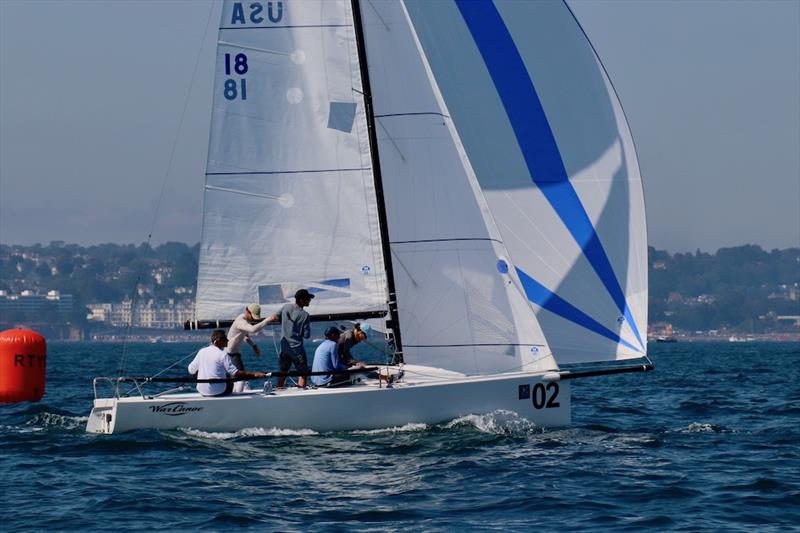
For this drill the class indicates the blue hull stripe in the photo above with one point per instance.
(536, 140)
(547, 299)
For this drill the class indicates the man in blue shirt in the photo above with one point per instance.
(326, 358)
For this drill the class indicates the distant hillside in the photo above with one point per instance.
(106, 272)
(744, 288)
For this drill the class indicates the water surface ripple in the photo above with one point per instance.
(709, 441)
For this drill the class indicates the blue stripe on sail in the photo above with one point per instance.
(547, 299)
(536, 140)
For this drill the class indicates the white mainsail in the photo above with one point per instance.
(289, 197)
(460, 301)
(547, 139)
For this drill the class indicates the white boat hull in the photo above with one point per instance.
(362, 406)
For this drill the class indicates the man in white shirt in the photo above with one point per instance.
(213, 363)
(241, 329)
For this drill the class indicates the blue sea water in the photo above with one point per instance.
(710, 441)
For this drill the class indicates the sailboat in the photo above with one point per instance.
(460, 173)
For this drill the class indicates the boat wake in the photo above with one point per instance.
(499, 422)
(697, 427)
(407, 428)
(248, 432)
(46, 420)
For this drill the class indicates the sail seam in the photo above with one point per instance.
(468, 344)
(449, 240)
(413, 114)
(307, 171)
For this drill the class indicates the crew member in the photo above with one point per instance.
(326, 359)
(213, 363)
(241, 329)
(347, 340)
(295, 327)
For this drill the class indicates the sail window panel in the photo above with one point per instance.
(341, 116)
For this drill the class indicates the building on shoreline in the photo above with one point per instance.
(148, 314)
(51, 314)
(27, 306)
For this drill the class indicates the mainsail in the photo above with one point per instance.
(289, 195)
(548, 141)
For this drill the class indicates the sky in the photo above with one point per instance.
(104, 117)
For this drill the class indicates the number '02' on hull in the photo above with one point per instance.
(362, 406)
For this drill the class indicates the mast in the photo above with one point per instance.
(394, 321)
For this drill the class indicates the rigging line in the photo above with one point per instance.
(175, 363)
(379, 15)
(180, 124)
(302, 171)
(472, 344)
(390, 138)
(164, 184)
(521, 368)
(164, 370)
(413, 114)
(449, 240)
(244, 193)
(245, 47)
(408, 273)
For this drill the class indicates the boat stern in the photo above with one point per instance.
(103, 416)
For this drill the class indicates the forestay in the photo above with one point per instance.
(461, 304)
(289, 196)
(548, 141)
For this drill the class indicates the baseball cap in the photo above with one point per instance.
(303, 294)
(255, 310)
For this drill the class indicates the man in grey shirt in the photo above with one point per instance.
(295, 326)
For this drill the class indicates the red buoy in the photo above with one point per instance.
(23, 358)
